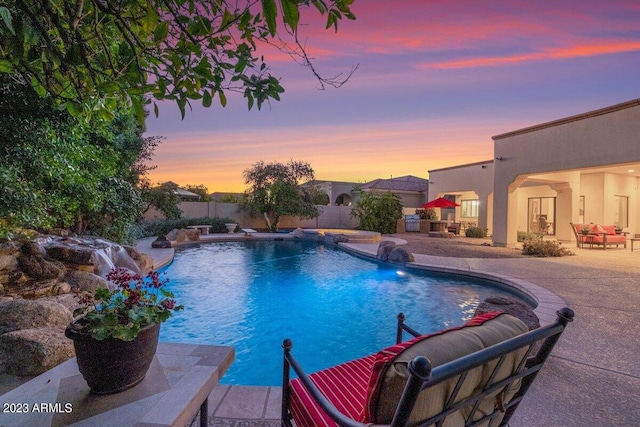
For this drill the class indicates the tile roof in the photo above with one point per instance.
(402, 183)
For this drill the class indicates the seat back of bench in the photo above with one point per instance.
(478, 389)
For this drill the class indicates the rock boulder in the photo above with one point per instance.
(28, 314)
(161, 243)
(86, 281)
(384, 249)
(400, 256)
(510, 306)
(34, 351)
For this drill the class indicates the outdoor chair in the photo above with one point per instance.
(472, 375)
(454, 228)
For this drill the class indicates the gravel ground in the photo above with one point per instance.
(462, 247)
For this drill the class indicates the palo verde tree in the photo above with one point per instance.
(276, 191)
(378, 211)
(91, 56)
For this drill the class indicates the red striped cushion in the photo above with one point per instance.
(345, 386)
(384, 358)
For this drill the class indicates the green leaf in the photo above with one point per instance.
(206, 99)
(5, 14)
(223, 102)
(161, 31)
(227, 19)
(291, 13)
(270, 12)
(5, 66)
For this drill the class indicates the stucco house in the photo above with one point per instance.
(413, 190)
(583, 168)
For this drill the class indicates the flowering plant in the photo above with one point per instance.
(121, 312)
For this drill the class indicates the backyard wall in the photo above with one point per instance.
(331, 216)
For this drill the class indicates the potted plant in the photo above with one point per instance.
(585, 230)
(116, 335)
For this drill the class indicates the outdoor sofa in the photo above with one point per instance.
(472, 375)
(599, 235)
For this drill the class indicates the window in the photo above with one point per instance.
(621, 211)
(469, 208)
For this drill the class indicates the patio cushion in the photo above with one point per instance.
(390, 371)
(344, 385)
(609, 229)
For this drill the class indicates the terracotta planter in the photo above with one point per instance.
(112, 365)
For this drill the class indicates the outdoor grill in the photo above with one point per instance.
(412, 222)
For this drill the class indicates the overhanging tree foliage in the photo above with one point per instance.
(378, 211)
(276, 191)
(58, 172)
(92, 55)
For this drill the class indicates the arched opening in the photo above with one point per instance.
(343, 200)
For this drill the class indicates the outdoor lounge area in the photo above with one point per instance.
(596, 235)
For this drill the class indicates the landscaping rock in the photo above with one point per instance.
(73, 255)
(32, 248)
(192, 234)
(34, 351)
(69, 301)
(161, 243)
(340, 238)
(143, 261)
(400, 256)
(173, 235)
(8, 262)
(28, 314)
(86, 281)
(384, 249)
(37, 267)
(510, 306)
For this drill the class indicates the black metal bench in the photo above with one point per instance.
(503, 391)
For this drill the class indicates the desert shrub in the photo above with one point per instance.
(526, 235)
(475, 232)
(544, 248)
(156, 228)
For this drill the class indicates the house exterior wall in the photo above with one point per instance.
(466, 182)
(606, 137)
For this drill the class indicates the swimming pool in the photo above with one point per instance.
(334, 306)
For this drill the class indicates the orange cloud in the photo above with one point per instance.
(343, 153)
(595, 49)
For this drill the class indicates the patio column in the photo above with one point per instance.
(505, 213)
(567, 205)
(485, 220)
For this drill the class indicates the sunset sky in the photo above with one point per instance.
(435, 81)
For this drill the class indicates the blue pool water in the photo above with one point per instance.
(334, 306)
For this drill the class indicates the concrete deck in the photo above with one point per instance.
(593, 375)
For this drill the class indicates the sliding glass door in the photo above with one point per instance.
(542, 215)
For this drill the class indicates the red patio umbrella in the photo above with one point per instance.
(440, 202)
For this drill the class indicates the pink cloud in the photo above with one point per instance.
(567, 52)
